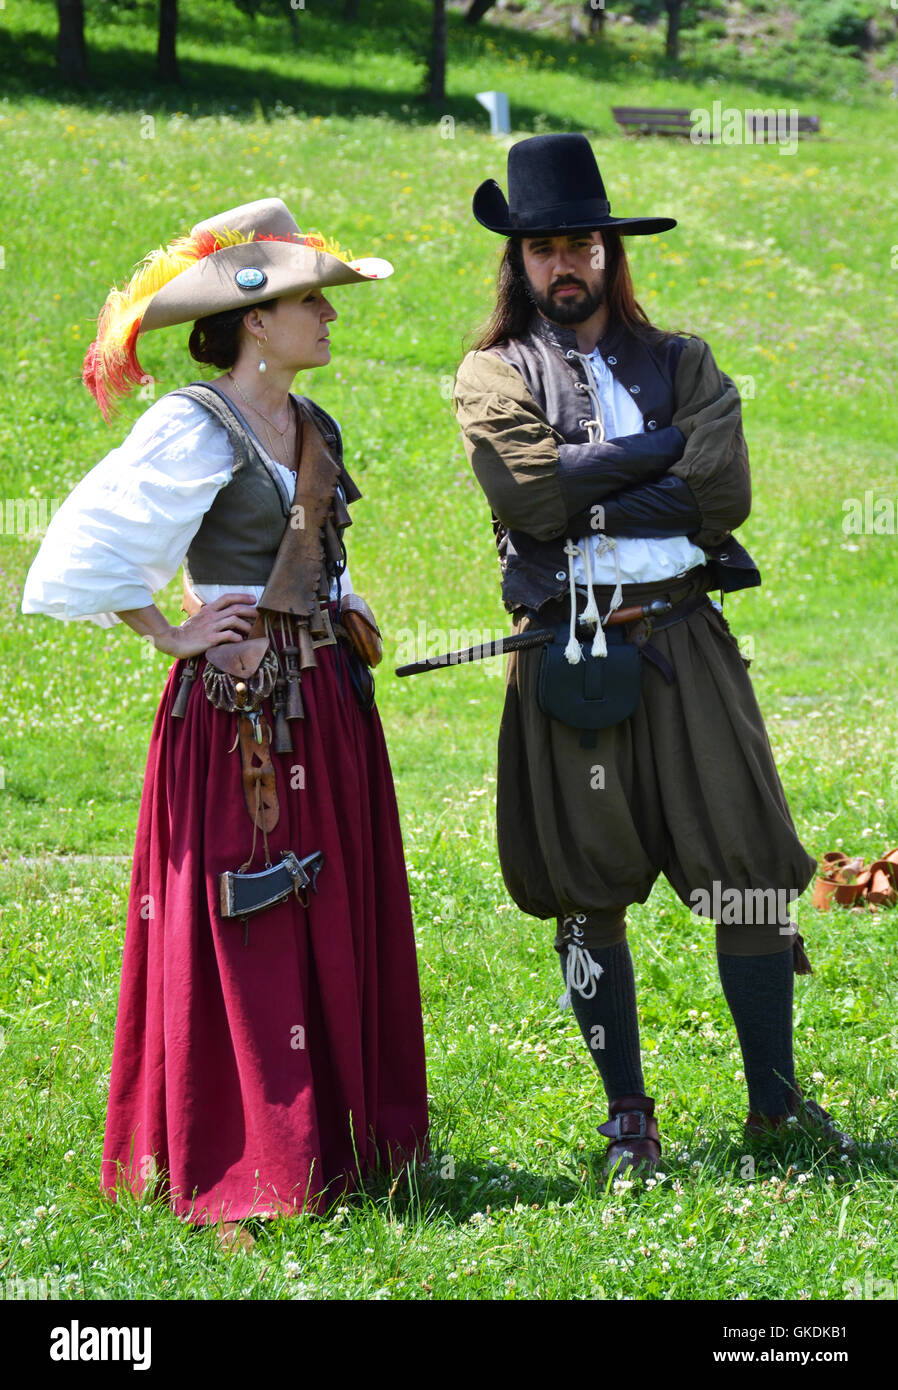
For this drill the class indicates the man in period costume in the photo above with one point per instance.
(613, 459)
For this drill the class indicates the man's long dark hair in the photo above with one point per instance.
(514, 306)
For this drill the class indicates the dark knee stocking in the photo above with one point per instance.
(758, 990)
(609, 1022)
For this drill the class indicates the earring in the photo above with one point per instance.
(263, 365)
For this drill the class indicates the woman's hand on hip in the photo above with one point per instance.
(229, 618)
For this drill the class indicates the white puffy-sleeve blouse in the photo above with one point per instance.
(123, 532)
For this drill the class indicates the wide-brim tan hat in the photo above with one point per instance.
(264, 255)
(244, 256)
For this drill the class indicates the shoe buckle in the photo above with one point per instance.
(631, 1115)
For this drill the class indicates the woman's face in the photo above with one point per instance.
(296, 329)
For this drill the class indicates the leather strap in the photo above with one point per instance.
(259, 784)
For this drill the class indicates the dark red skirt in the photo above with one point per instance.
(266, 1077)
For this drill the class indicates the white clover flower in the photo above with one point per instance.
(292, 1269)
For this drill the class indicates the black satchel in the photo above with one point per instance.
(597, 691)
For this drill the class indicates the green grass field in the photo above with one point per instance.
(787, 265)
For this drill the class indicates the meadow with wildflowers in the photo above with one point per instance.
(786, 264)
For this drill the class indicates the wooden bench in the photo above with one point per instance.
(676, 120)
(805, 125)
(657, 120)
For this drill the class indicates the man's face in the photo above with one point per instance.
(566, 274)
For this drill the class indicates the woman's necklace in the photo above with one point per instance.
(266, 421)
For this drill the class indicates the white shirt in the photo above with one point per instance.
(123, 532)
(641, 560)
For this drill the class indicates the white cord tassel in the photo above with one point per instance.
(590, 613)
(581, 973)
(599, 643)
(617, 597)
(572, 651)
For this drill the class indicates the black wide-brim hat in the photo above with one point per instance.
(554, 186)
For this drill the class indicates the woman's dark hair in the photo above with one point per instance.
(215, 340)
(514, 306)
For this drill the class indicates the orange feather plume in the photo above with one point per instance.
(111, 366)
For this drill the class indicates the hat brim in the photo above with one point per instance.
(491, 210)
(210, 286)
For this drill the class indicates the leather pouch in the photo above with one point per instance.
(361, 629)
(597, 692)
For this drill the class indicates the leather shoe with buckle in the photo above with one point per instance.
(804, 1115)
(633, 1130)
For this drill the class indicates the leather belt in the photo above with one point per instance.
(191, 603)
(559, 611)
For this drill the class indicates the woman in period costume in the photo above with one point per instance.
(269, 1046)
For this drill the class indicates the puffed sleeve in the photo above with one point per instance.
(121, 535)
(708, 412)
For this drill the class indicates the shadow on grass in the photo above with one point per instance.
(125, 77)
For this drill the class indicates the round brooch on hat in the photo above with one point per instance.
(250, 278)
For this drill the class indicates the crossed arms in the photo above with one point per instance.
(689, 479)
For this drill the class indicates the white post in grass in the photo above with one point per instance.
(497, 105)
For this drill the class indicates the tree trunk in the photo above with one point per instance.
(596, 15)
(293, 25)
(71, 53)
(350, 10)
(477, 10)
(436, 67)
(672, 46)
(166, 54)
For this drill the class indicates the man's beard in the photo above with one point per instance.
(566, 311)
